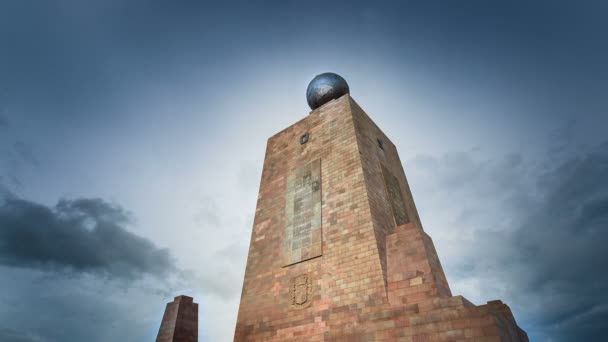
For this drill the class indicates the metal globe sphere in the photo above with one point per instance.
(324, 88)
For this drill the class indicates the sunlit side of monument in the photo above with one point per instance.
(338, 252)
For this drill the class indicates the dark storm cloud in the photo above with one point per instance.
(49, 307)
(547, 238)
(83, 235)
(564, 241)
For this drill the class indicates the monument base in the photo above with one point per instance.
(417, 306)
(440, 319)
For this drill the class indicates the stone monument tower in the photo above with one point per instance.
(180, 321)
(338, 252)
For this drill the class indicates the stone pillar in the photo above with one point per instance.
(180, 321)
(338, 251)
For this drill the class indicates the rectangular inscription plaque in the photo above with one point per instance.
(303, 212)
(395, 197)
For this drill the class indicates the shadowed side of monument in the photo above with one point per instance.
(180, 321)
(338, 251)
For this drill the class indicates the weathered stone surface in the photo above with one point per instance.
(302, 239)
(395, 195)
(180, 321)
(301, 291)
(378, 277)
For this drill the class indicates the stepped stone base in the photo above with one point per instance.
(417, 307)
(441, 319)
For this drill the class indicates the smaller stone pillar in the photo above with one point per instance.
(180, 321)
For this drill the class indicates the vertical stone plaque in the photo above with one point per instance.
(393, 189)
(303, 212)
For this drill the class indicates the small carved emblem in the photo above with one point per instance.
(301, 291)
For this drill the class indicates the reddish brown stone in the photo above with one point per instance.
(376, 275)
(180, 321)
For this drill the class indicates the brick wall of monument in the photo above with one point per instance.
(368, 272)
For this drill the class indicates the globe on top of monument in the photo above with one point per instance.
(324, 88)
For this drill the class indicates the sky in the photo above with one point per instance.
(132, 137)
